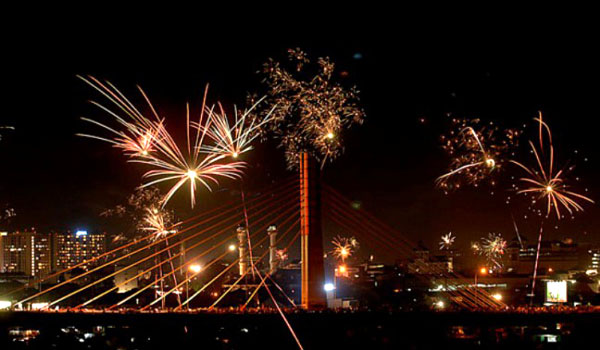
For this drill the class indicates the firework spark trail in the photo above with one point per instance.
(447, 241)
(247, 230)
(289, 326)
(6, 127)
(547, 184)
(517, 231)
(139, 132)
(232, 139)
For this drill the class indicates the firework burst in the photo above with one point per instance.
(343, 247)
(147, 141)
(544, 182)
(308, 111)
(447, 241)
(475, 154)
(492, 248)
(157, 224)
(282, 255)
(144, 210)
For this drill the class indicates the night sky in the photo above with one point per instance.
(56, 180)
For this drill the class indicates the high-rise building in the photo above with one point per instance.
(71, 249)
(26, 252)
(595, 258)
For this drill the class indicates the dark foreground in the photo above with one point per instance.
(361, 330)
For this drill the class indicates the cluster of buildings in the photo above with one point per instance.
(36, 254)
(567, 273)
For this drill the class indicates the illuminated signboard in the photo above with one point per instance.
(81, 233)
(556, 291)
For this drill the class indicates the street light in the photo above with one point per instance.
(195, 268)
(231, 247)
(483, 271)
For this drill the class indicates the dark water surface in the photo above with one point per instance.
(359, 330)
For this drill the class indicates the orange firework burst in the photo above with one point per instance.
(147, 141)
(544, 182)
(343, 247)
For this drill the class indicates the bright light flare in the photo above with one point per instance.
(195, 268)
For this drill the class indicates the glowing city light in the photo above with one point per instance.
(328, 287)
(195, 268)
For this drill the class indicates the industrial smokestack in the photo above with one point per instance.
(243, 249)
(272, 231)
